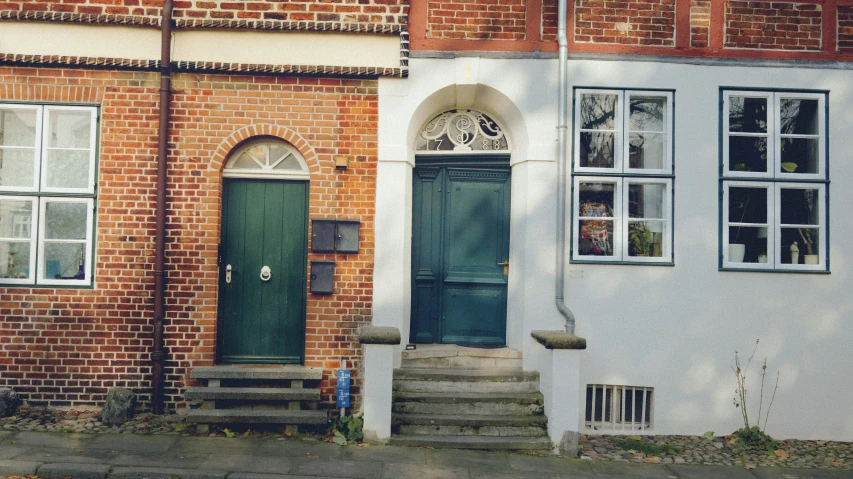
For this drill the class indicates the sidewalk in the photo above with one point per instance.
(129, 456)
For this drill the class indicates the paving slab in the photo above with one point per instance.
(11, 452)
(18, 468)
(494, 461)
(838, 474)
(551, 465)
(249, 463)
(338, 468)
(249, 475)
(215, 445)
(299, 448)
(77, 471)
(77, 456)
(400, 455)
(790, 473)
(710, 472)
(625, 469)
(524, 475)
(5, 434)
(183, 461)
(133, 442)
(53, 439)
(413, 471)
(163, 473)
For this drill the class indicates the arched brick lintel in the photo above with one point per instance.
(236, 138)
(52, 93)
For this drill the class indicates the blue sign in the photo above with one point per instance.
(343, 379)
(343, 398)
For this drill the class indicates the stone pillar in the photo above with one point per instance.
(378, 343)
(559, 378)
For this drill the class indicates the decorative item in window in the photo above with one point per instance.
(462, 130)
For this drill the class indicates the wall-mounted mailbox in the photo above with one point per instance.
(323, 236)
(346, 239)
(322, 277)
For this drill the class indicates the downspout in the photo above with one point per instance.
(157, 353)
(562, 145)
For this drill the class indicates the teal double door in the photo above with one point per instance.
(262, 271)
(460, 249)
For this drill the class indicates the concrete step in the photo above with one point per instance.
(254, 416)
(474, 442)
(522, 403)
(252, 394)
(443, 356)
(465, 381)
(469, 425)
(258, 372)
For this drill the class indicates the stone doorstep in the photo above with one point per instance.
(255, 371)
(426, 351)
(470, 397)
(247, 394)
(465, 375)
(254, 416)
(470, 420)
(474, 442)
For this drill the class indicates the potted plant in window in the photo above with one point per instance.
(808, 242)
(639, 240)
(737, 250)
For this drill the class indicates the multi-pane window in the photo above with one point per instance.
(774, 180)
(622, 188)
(47, 193)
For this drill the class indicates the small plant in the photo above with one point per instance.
(808, 241)
(753, 436)
(640, 239)
(229, 433)
(346, 429)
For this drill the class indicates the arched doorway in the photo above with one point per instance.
(460, 231)
(263, 254)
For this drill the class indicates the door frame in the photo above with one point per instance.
(494, 161)
(221, 266)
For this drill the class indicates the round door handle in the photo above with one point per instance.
(266, 273)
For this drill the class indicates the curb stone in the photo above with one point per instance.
(163, 473)
(62, 470)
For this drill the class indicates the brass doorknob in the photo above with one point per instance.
(505, 264)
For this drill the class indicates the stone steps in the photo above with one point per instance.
(465, 381)
(521, 403)
(250, 394)
(254, 416)
(256, 394)
(445, 356)
(470, 425)
(473, 442)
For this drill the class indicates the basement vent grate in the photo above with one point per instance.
(618, 408)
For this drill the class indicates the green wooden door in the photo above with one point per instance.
(460, 234)
(264, 223)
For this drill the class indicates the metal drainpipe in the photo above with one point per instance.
(562, 145)
(157, 353)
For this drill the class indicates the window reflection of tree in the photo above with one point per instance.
(597, 112)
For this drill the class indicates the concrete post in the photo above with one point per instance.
(379, 344)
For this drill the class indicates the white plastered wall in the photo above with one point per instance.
(673, 328)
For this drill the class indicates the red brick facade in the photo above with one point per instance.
(700, 23)
(845, 29)
(68, 346)
(626, 22)
(338, 11)
(477, 19)
(773, 25)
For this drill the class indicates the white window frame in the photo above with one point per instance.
(623, 176)
(775, 180)
(32, 240)
(39, 194)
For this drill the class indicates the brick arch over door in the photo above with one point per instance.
(235, 139)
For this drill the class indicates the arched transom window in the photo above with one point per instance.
(462, 130)
(265, 158)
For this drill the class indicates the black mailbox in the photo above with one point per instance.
(322, 277)
(346, 239)
(323, 236)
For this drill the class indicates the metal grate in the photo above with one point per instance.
(618, 408)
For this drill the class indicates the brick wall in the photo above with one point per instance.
(627, 22)
(549, 20)
(700, 23)
(338, 11)
(68, 346)
(773, 25)
(476, 19)
(845, 29)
